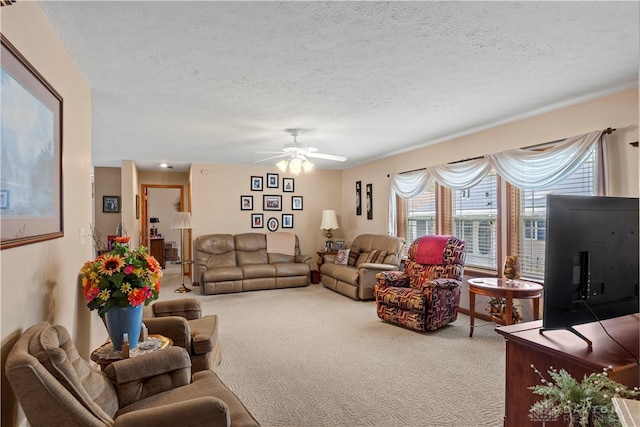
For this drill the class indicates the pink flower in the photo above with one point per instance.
(129, 269)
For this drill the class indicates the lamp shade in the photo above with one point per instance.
(154, 220)
(181, 221)
(329, 220)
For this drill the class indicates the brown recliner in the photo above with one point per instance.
(182, 321)
(55, 387)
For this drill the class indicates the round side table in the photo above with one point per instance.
(105, 355)
(503, 288)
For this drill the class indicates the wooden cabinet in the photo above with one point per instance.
(562, 349)
(156, 249)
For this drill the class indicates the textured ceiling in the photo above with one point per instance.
(217, 82)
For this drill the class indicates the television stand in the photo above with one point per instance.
(570, 329)
(525, 346)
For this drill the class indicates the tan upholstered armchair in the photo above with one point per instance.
(55, 387)
(182, 321)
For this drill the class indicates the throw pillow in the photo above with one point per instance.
(353, 255)
(376, 256)
(342, 257)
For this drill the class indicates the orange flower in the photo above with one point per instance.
(123, 239)
(110, 264)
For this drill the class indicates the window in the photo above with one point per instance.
(419, 218)
(474, 219)
(533, 213)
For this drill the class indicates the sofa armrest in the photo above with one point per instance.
(304, 259)
(189, 308)
(436, 284)
(199, 411)
(149, 374)
(174, 327)
(367, 278)
(396, 279)
(329, 258)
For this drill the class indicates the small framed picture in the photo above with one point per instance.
(287, 186)
(272, 180)
(369, 201)
(296, 203)
(287, 220)
(256, 183)
(246, 203)
(272, 224)
(111, 204)
(257, 220)
(137, 206)
(358, 197)
(338, 245)
(271, 203)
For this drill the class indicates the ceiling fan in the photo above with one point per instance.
(296, 155)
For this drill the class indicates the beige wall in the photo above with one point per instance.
(216, 191)
(107, 182)
(38, 281)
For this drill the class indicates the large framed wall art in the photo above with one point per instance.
(31, 164)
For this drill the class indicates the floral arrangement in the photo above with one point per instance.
(512, 267)
(121, 277)
(589, 400)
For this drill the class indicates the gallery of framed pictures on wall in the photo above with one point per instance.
(271, 203)
(287, 220)
(358, 197)
(287, 185)
(296, 203)
(246, 203)
(257, 220)
(31, 193)
(369, 201)
(111, 204)
(256, 183)
(272, 180)
(272, 224)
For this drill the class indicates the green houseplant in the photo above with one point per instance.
(584, 403)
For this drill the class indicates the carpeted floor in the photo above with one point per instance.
(311, 357)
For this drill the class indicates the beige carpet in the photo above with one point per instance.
(311, 357)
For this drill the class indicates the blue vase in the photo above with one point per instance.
(121, 320)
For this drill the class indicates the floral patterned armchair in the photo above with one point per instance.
(425, 296)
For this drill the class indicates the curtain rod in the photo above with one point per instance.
(607, 131)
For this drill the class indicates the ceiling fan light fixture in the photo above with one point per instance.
(307, 166)
(295, 166)
(282, 165)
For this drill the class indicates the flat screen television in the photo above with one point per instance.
(591, 260)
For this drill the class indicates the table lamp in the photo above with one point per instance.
(154, 220)
(329, 222)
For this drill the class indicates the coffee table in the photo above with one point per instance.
(503, 288)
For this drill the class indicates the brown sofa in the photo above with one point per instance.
(55, 387)
(226, 263)
(357, 281)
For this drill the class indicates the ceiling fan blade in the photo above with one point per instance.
(326, 156)
(270, 158)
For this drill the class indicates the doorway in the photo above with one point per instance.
(161, 202)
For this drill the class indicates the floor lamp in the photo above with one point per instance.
(181, 221)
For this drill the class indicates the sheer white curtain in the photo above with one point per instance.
(406, 185)
(522, 168)
(461, 175)
(540, 169)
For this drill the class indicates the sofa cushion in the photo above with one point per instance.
(354, 253)
(291, 269)
(222, 274)
(344, 273)
(278, 258)
(342, 257)
(376, 256)
(255, 271)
